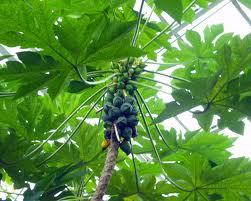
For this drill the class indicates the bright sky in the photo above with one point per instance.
(233, 22)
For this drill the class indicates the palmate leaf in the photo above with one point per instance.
(70, 41)
(35, 73)
(81, 36)
(246, 3)
(104, 40)
(222, 181)
(29, 25)
(173, 7)
(213, 92)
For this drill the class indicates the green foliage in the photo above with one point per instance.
(222, 93)
(173, 7)
(76, 76)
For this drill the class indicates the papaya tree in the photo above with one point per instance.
(88, 91)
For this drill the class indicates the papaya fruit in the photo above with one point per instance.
(121, 85)
(112, 89)
(134, 132)
(132, 120)
(121, 122)
(114, 113)
(117, 101)
(126, 132)
(106, 117)
(137, 71)
(105, 143)
(130, 99)
(108, 124)
(129, 88)
(126, 147)
(120, 93)
(126, 108)
(107, 106)
(131, 71)
(107, 133)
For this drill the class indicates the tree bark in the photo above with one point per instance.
(110, 163)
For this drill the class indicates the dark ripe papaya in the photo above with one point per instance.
(126, 132)
(117, 101)
(126, 108)
(132, 120)
(134, 111)
(126, 147)
(106, 117)
(121, 122)
(130, 99)
(108, 124)
(134, 132)
(114, 113)
(107, 106)
(107, 133)
(130, 88)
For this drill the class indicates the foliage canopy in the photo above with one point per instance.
(51, 96)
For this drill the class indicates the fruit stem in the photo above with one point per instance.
(106, 175)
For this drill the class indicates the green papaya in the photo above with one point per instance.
(112, 89)
(126, 108)
(125, 77)
(137, 71)
(117, 101)
(120, 93)
(126, 147)
(115, 79)
(131, 71)
(109, 97)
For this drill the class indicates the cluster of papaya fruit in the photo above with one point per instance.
(120, 111)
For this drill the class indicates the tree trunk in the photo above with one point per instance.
(110, 163)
